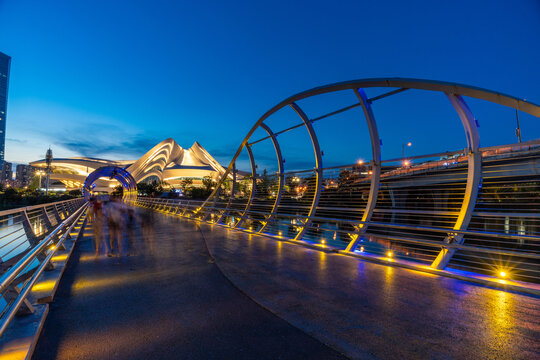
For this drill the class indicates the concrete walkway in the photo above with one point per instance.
(169, 303)
(371, 311)
(175, 304)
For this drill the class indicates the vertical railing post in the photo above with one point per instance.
(46, 218)
(56, 214)
(318, 169)
(474, 175)
(375, 167)
(27, 226)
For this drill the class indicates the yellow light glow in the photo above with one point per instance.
(503, 274)
(389, 254)
(44, 286)
(406, 163)
(280, 233)
(361, 249)
(59, 257)
(360, 162)
(409, 144)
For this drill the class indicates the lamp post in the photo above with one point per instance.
(405, 162)
(40, 173)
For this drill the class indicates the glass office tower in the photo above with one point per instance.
(5, 62)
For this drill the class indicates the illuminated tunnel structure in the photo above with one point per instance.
(127, 181)
(475, 209)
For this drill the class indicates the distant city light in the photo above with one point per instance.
(389, 254)
(360, 162)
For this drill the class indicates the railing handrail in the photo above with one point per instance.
(10, 275)
(387, 225)
(33, 207)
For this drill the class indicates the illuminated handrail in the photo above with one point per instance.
(7, 280)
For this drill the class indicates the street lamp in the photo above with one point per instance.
(40, 174)
(405, 162)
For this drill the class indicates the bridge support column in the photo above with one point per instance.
(277, 148)
(474, 175)
(318, 168)
(375, 166)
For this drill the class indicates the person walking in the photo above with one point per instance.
(96, 212)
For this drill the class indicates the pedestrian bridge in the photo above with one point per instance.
(412, 257)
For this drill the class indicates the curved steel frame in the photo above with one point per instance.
(474, 176)
(453, 91)
(113, 172)
(253, 186)
(318, 169)
(281, 173)
(375, 165)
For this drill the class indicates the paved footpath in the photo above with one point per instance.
(169, 303)
(372, 311)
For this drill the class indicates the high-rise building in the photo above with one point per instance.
(5, 62)
(6, 177)
(23, 175)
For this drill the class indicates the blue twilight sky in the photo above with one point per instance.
(113, 78)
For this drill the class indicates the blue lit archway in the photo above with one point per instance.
(122, 175)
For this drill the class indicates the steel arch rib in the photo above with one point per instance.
(376, 165)
(431, 85)
(318, 168)
(233, 191)
(253, 187)
(474, 174)
(281, 174)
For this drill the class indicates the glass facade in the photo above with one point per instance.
(5, 62)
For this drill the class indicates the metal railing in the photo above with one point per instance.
(474, 209)
(30, 237)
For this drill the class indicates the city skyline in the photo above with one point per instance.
(186, 66)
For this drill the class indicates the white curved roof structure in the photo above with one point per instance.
(167, 161)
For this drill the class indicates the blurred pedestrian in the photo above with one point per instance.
(115, 222)
(96, 211)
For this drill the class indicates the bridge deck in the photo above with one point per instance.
(171, 303)
(175, 304)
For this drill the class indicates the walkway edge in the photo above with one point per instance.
(23, 333)
(485, 281)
